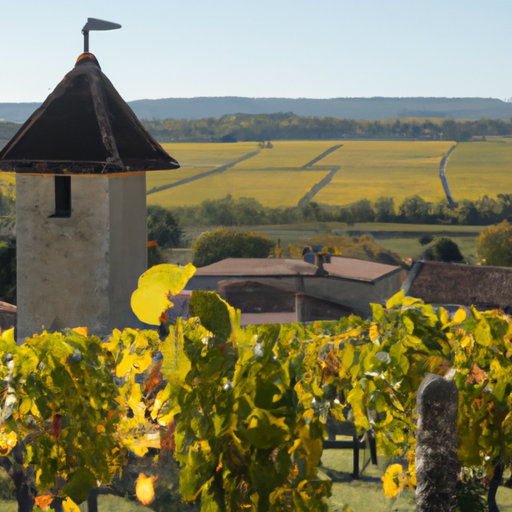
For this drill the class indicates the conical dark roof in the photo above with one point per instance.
(84, 127)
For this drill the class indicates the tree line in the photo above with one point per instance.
(245, 211)
(165, 226)
(288, 126)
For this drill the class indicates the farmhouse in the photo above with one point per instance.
(281, 290)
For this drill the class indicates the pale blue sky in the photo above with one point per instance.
(266, 48)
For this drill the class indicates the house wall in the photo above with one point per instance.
(206, 282)
(81, 270)
(128, 245)
(351, 293)
(355, 294)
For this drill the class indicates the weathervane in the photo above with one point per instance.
(95, 24)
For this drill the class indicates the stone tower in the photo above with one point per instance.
(80, 162)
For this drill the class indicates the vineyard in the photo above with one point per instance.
(365, 170)
(243, 411)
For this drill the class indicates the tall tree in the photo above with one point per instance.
(384, 209)
(494, 245)
(163, 227)
(414, 210)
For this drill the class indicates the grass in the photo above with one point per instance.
(116, 504)
(105, 504)
(272, 188)
(371, 169)
(363, 495)
(480, 168)
(366, 495)
(411, 248)
(400, 238)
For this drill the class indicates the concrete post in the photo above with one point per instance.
(437, 464)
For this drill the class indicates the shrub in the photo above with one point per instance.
(446, 250)
(222, 243)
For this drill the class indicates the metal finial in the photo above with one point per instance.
(95, 24)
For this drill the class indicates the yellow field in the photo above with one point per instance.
(287, 154)
(367, 169)
(196, 159)
(371, 169)
(7, 182)
(159, 178)
(208, 155)
(269, 187)
(478, 168)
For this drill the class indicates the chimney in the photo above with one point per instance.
(320, 259)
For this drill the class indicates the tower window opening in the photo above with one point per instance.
(62, 196)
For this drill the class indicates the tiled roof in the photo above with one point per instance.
(350, 268)
(257, 267)
(345, 268)
(84, 127)
(268, 318)
(7, 316)
(466, 285)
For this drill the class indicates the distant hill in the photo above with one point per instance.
(350, 108)
(7, 130)
(17, 112)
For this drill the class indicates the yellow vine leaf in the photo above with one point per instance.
(70, 506)
(151, 298)
(126, 363)
(459, 317)
(84, 331)
(348, 356)
(390, 480)
(374, 334)
(7, 442)
(144, 488)
(7, 337)
(396, 300)
(139, 447)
